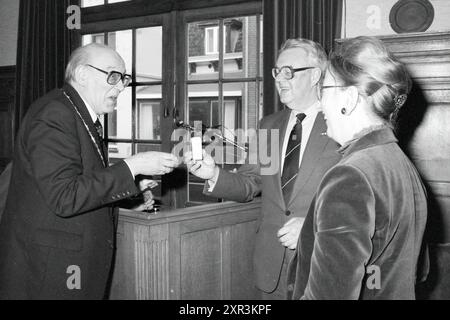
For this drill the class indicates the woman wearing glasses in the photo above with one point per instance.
(363, 235)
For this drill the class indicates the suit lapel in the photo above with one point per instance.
(282, 127)
(314, 148)
(87, 119)
(283, 122)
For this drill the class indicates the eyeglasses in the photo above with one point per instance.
(115, 76)
(287, 71)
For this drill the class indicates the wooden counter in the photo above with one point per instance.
(202, 252)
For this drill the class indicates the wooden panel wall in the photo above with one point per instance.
(201, 252)
(7, 92)
(425, 133)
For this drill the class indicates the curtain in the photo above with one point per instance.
(44, 46)
(317, 20)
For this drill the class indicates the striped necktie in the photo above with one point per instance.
(99, 128)
(291, 159)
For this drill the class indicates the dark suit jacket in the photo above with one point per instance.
(363, 237)
(58, 212)
(250, 180)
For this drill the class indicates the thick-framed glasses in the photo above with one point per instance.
(287, 71)
(115, 76)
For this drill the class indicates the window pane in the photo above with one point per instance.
(261, 51)
(119, 122)
(148, 106)
(241, 105)
(245, 112)
(236, 104)
(211, 41)
(149, 127)
(144, 147)
(91, 3)
(149, 54)
(93, 38)
(203, 106)
(118, 151)
(114, 1)
(241, 50)
(203, 44)
(261, 103)
(121, 41)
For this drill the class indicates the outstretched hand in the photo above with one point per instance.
(152, 163)
(204, 169)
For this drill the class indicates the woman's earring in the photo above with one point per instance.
(343, 111)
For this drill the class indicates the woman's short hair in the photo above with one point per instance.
(316, 54)
(366, 63)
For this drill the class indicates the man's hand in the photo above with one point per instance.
(204, 169)
(152, 163)
(289, 233)
(145, 185)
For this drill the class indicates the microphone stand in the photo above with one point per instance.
(181, 124)
(226, 140)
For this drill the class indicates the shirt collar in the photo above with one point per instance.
(91, 111)
(310, 113)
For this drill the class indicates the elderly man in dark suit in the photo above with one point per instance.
(305, 153)
(57, 235)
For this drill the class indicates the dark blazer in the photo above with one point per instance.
(58, 212)
(363, 237)
(250, 180)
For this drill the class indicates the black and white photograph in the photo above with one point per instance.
(224, 154)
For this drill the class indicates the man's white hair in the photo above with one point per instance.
(316, 55)
(81, 56)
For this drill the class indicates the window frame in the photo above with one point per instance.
(139, 14)
(216, 13)
(215, 35)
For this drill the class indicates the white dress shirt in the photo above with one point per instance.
(91, 111)
(307, 125)
(95, 117)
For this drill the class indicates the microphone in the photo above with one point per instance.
(181, 124)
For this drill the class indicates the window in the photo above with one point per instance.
(91, 3)
(223, 82)
(207, 68)
(149, 119)
(211, 40)
(135, 125)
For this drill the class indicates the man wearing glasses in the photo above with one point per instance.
(57, 234)
(306, 153)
